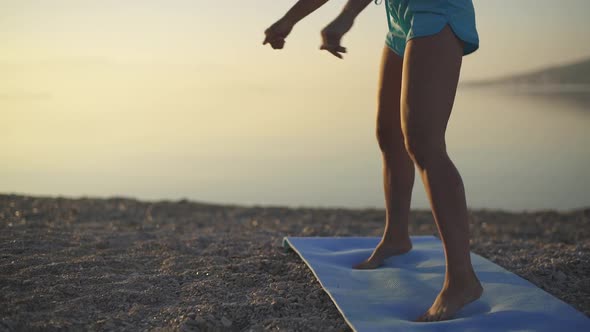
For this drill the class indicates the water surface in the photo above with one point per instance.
(515, 149)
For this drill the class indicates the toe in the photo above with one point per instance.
(444, 315)
(361, 265)
(366, 265)
(437, 317)
(427, 317)
(420, 319)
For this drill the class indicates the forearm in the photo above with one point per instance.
(354, 7)
(301, 9)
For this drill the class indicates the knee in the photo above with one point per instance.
(423, 147)
(389, 138)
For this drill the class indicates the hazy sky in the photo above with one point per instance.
(119, 89)
(515, 34)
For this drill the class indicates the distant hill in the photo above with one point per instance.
(577, 73)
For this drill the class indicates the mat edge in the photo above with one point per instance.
(289, 246)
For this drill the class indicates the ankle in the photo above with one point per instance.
(396, 238)
(460, 280)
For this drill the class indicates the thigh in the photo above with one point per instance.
(388, 96)
(429, 83)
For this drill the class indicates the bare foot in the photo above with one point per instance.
(452, 299)
(383, 251)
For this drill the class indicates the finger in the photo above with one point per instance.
(266, 40)
(336, 48)
(336, 54)
(327, 46)
(277, 43)
(273, 40)
(333, 49)
(332, 39)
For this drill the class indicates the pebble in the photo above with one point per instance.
(194, 325)
(253, 293)
(225, 321)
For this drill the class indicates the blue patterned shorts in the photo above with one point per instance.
(409, 19)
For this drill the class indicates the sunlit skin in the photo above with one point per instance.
(415, 98)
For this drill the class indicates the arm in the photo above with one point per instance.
(301, 9)
(333, 32)
(276, 33)
(354, 7)
(305, 7)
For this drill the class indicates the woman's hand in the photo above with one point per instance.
(276, 33)
(333, 32)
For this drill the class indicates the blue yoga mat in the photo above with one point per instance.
(391, 297)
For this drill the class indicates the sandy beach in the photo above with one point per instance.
(124, 264)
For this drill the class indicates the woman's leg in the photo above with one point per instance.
(398, 168)
(430, 76)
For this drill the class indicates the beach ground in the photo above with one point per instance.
(124, 264)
